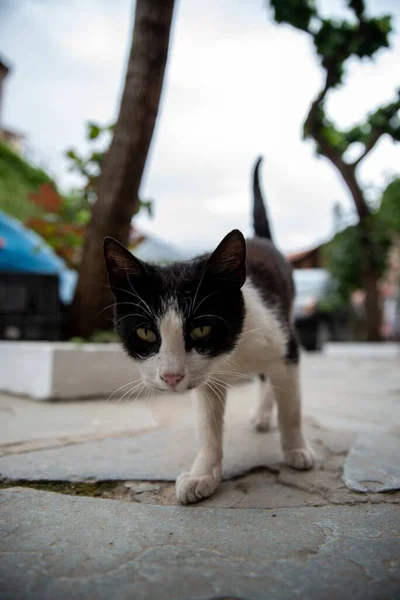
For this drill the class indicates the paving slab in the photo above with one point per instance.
(56, 546)
(160, 454)
(23, 420)
(356, 394)
(373, 463)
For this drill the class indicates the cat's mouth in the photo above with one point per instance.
(174, 390)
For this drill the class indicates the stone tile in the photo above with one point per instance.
(262, 490)
(23, 420)
(373, 463)
(353, 395)
(160, 454)
(55, 546)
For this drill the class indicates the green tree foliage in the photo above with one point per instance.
(31, 196)
(357, 256)
(19, 179)
(345, 253)
(336, 41)
(390, 207)
(88, 167)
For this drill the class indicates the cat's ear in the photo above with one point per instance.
(228, 261)
(121, 264)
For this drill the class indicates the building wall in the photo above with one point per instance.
(313, 259)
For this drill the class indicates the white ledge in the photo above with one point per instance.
(63, 370)
(363, 349)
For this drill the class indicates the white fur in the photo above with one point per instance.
(173, 358)
(261, 417)
(262, 341)
(260, 349)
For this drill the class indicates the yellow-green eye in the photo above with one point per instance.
(201, 333)
(147, 335)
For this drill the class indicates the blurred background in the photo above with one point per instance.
(144, 121)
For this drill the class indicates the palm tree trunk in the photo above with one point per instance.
(118, 188)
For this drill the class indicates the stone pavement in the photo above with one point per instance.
(88, 507)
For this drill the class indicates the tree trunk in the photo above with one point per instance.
(119, 182)
(369, 278)
(372, 308)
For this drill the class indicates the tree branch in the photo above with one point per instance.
(368, 146)
(347, 171)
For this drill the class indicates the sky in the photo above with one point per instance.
(236, 86)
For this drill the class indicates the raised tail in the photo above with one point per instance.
(260, 217)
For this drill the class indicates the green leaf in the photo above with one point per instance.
(294, 12)
(94, 130)
(389, 212)
(71, 154)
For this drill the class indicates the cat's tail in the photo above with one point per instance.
(260, 217)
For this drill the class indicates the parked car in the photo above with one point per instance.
(318, 316)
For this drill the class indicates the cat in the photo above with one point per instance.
(210, 322)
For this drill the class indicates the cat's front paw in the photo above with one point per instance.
(192, 488)
(300, 458)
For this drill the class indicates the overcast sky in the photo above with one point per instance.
(236, 86)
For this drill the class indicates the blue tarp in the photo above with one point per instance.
(23, 250)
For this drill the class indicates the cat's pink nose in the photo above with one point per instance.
(172, 378)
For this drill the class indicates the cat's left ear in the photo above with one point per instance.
(228, 261)
(121, 264)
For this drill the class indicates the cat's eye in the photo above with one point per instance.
(147, 335)
(200, 333)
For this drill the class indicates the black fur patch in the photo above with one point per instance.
(272, 276)
(205, 291)
(293, 349)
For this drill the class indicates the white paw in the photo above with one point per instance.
(301, 458)
(261, 421)
(191, 488)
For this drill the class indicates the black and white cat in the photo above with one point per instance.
(206, 323)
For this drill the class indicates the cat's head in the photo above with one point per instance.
(178, 321)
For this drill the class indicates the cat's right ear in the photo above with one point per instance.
(121, 264)
(228, 261)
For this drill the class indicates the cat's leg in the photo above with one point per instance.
(205, 474)
(261, 417)
(285, 380)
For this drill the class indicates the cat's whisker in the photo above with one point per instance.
(120, 388)
(220, 382)
(129, 392)
(218, 393)
(131, 315)
(138, 295)
(275, 387)
(142, 304)
(121, 290)
(209, 402)
(253, 330)
(149, 393)
(249, 378)
(210, 316)
(197, 290)
(203, 300)
(116, 304)
(138, 392)
(230, 359)
(235, 374)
